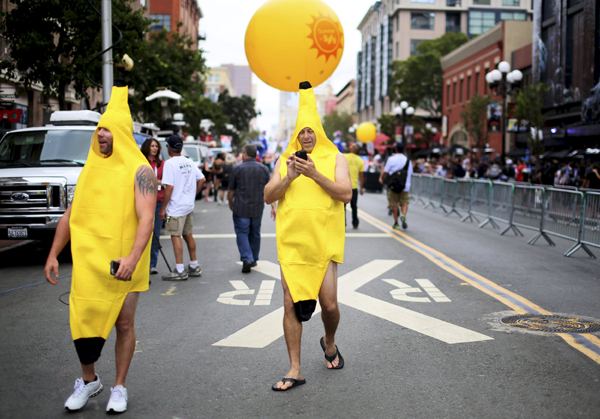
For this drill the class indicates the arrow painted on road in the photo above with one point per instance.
(269, 328)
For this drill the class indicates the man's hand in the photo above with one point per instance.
(362, 191)
(306, 167)
(51, 266)
(163, 213)
(273, 211)
(292, 171)
(126, 268)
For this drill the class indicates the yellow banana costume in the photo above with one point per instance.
(310, 223)
(103, 225)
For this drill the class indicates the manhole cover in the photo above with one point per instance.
(554, 324)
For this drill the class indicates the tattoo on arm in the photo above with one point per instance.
(146, 181)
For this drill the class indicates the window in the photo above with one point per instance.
(460, 92)
(164, 21)
(479, 22)
(216, 77)
(397, 49)
(548, 9)
(482, 2)
(422, 21)
(414, 43)
(397, 20)
(571, 3)
(452, 3)
(512, 16)
(513, 3)
(453, 22)
(574, 57)
(447, 95)
(422, 1)
(454, 94)
(468, 87)
(477, 83)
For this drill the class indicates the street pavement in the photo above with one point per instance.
(419, 329)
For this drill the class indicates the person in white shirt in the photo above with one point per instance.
(397, 162)
(182, 181)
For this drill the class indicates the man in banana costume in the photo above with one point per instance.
(310, 232)
(110, 219)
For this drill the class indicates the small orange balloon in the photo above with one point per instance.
(366, 132)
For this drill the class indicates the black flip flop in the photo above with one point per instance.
(331, 358)
(295, 383)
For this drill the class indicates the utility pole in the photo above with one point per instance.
(107, 57)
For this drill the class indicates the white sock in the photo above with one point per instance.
(194, 264)
(179, 267)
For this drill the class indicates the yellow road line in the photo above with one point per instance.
(585, 343)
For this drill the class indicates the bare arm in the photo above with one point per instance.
(145, 191)
(340, 189)
(277, 186)
(230, 198)
(166, 198)
(61, 238)
(361, 180)
(199, 186)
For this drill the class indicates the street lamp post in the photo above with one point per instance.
(404, 110)
(505, 82)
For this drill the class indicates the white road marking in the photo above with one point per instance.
(268, 268)
(272, 235)
(240, 289)
(433, 291)
(265, 293)
(269, 328)
(402, 289)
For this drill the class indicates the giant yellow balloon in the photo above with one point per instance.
(366, 132)
(290, 41)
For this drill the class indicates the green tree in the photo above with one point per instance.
(387, 125)
(195, 107)
(52, 42)
(418, 79)
(528, 111)
(475, 119)
(240, 111)
(168, 61)
(337, 121)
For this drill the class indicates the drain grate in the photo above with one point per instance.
(554, 324)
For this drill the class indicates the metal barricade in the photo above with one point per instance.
(480, 201)
(448, 196)
(590, 226)
(501, 205)
(426, 189)
(418, 187)
(462, 200)
(435, 192)
(563, 215)
(528, 210)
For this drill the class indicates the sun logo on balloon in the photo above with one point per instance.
(326, 35)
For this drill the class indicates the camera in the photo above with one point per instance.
(301, 154)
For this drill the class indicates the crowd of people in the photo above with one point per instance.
(585, 175)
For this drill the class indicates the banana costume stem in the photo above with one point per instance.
(310, 223)
(103, 226)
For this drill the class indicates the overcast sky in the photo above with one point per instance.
(225, 22)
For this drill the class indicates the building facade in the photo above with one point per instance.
(464, 71)
(168, 13)
(218, 80)
(566, 58)
(241, 77)
(392, 29)
(346, 100)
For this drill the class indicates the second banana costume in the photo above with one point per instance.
(310, 223)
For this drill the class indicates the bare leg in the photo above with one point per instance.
(191, 245)
(395, 212)
(125, 345)
(404, 209)
(177, 249)
(89, 372)
(330, 312)
(292, 329)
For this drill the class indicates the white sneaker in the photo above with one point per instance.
(82, 393)
(118, 400)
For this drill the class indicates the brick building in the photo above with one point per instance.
(464, 71)
(169, 12)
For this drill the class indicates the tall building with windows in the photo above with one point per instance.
(392, 29)
(566, 58)
(218, 80)
(241, 77)
(168, 13)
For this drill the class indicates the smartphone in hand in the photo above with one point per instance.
(301, 154)
(114, 267)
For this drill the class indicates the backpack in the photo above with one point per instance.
(396, 182)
